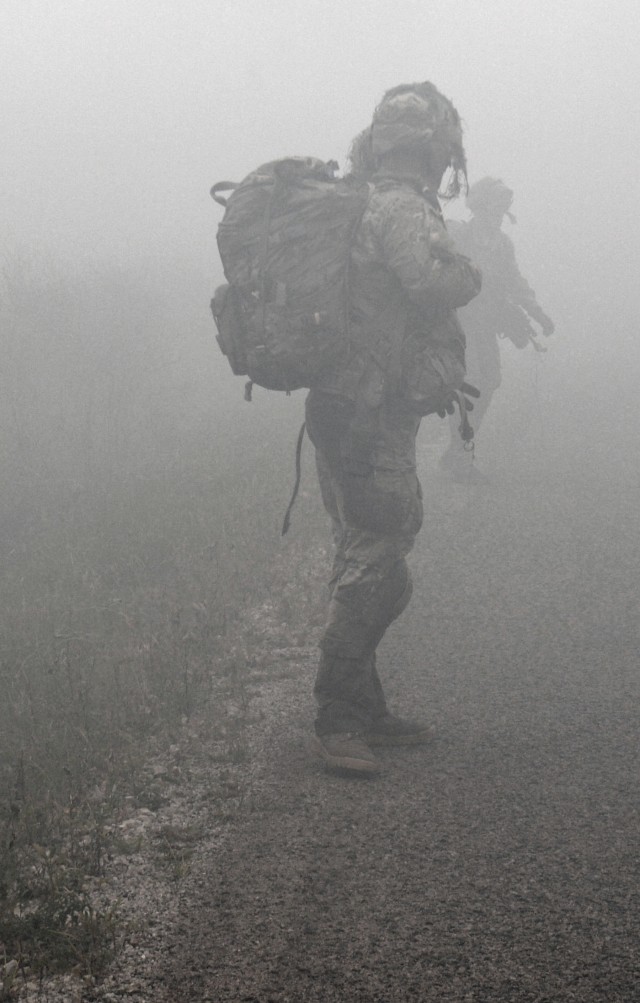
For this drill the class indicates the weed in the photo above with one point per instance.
(50, 923)
(175, 848)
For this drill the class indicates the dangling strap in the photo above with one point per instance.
(464, 428)
(222, 186)
(296, 487)
(287, 520)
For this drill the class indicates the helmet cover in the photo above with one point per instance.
(409, 115)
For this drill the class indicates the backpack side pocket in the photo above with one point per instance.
(231, 337)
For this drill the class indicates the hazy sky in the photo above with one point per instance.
(120, 114)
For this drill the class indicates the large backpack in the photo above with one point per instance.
(284, 241)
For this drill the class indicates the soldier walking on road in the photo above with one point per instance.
(504, 309)
(406, 281)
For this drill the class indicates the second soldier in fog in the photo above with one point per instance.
(504, 309)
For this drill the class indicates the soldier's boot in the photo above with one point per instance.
(345, 753)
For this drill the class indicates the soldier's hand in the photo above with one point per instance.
(449, 406)
(547, 325)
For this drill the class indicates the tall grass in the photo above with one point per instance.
(139, 518)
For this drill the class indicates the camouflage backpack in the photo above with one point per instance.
(284, 241)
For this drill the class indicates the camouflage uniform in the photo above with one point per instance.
(406, 281)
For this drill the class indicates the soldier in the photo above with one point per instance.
(406, 281)
(504, 309)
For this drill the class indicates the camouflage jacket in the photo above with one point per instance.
(406, 281)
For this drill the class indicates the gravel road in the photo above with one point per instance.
(501, 862)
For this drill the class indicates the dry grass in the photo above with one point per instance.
(139, 520)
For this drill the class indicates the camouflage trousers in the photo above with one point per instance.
(367, 472)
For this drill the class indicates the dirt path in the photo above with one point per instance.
(501, 863)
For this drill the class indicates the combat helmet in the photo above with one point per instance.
(490, 195)
(413, 116)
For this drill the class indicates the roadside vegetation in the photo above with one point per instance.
(139, 520)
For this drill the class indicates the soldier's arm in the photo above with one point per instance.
(521, 293)
(418, 249)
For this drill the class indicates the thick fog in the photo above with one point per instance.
(117, 117)
(143, 578)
